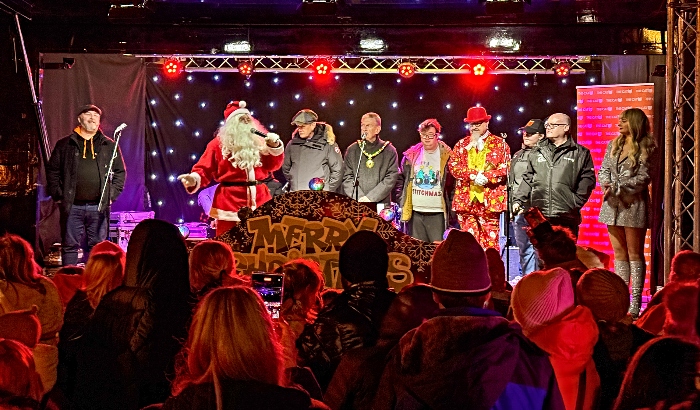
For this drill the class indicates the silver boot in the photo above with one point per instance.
(622, 269)
(638, 270)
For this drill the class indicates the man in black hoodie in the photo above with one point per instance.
(76, 176)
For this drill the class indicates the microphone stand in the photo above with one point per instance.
(356, 182)
(107, 188)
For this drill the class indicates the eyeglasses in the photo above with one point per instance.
(552, 126)
(428, 136)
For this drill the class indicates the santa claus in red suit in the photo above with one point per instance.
(239, 161)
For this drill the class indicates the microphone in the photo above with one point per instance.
(257, 132)
(120, 127)
(364, 136)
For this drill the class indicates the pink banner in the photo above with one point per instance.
(598, 110)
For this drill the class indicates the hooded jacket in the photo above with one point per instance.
(128, 348)
(315, 157)
(62, 169)
(468, 358)
(559, 180)
(569, 341)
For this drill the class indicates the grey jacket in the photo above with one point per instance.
(376, 183)
(315, 157)
(559, 180)
(627, 204)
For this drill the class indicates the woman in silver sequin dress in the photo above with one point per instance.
(625, 175)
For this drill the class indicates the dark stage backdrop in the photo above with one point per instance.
(183, 113)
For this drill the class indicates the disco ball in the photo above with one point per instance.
(316, 184)
(387, 214)
(184, 230)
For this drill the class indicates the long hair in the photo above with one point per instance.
(642, 141)
(301, 275)
(18, 377)
(103, 272)
(17, 261)
(209, 262)
(663, 369)
(231, 338)
(240, 146)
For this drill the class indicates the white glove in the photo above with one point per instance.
(187, 180)
(516, 209)
(273, 140)
(480, 179)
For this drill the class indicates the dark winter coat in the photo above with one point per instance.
(127, 353)
(240, 395)
(352, 320)
(62, 169)
(315, 157)
(559, 180)
(468, 358)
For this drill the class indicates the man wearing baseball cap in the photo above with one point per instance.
(312, 153)
(75, 178)
(532, 133)
(466, 356)
(480, 163)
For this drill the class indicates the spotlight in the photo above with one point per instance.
(372, 44)
(245, 68)
(322, 66)
(406, 70)
(172, 67)
(562, 69)
(479, 69)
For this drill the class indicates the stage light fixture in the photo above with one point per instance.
(407, 70)
(322, 66)
(235, 47)
(246, 68)
(562, 69)
(479, 69)
(172, 67)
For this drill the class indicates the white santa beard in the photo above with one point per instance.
(240, 146)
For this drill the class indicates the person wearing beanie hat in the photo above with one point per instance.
(480, 164)
(608, 298)
(75, 181)
(240, 159)
(432, 361)
(543, 304)
(372, 162)
(352, 320)
(312, 153)
(532, 133)
(425, 184)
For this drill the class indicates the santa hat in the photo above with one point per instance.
(235, 108)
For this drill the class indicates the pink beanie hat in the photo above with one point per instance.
(540, 297)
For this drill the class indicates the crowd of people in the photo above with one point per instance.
(161, 327)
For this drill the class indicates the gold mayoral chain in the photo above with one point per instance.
(370, 162)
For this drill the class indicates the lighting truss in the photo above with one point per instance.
(376, 64)
(682, 139)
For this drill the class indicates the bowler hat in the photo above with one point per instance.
(477, 114)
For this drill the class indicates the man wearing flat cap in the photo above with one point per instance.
(466, 356)
(532, 133)
(480, 163)
(312, 153)
(75, 177)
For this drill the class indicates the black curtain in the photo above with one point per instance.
(117, 85)
(185, 111)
